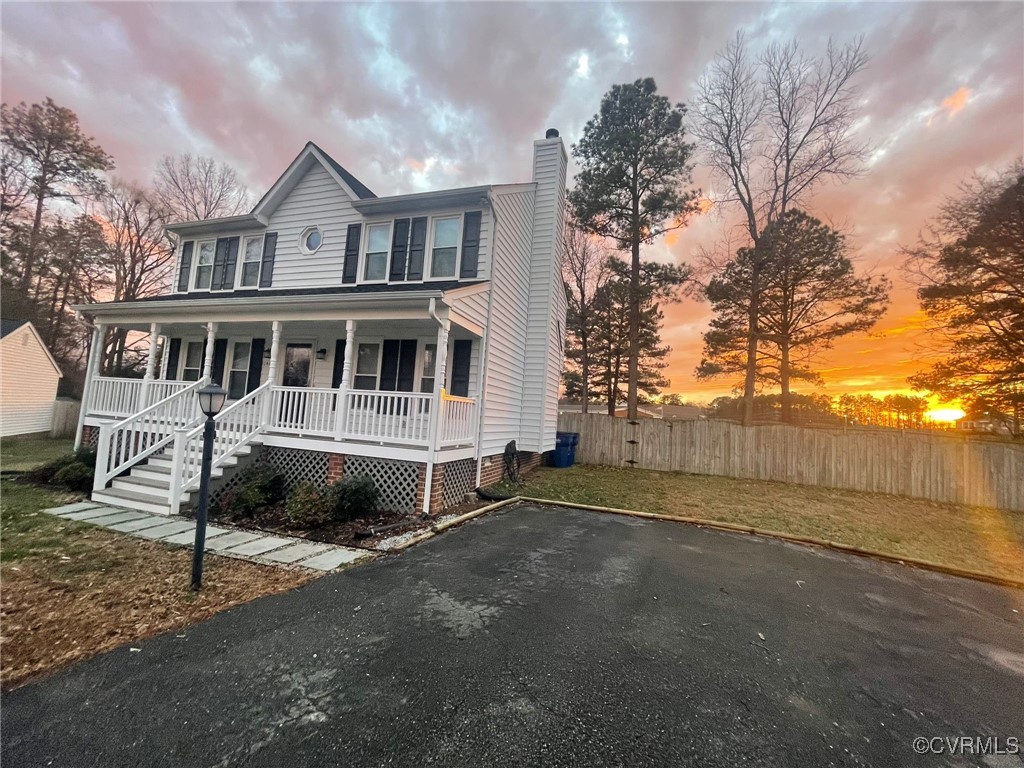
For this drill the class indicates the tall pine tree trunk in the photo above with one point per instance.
(585, 366)
(750, 378)
(787, 398)
(634, 315)
(33, 243)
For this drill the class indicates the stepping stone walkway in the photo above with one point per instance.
(271, 549)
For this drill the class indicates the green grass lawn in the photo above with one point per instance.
(23, 453)
(979, 539)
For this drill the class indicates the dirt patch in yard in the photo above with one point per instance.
(71, 590)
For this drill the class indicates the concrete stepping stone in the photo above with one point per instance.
(89, 514)
(328, 561)
(148, 521)
(189, 537)
(298, 550)
(223, 543)
(121, 516)
(257, 546)
(78, 506)
(168, 529)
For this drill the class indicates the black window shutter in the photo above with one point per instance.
(470, 244)
(267, 264)
(173, 353)
(389, 365)
(219, 259)
(255, 364)
(461, 353)
(220, 355)
(399, 249)
(406, 379)
(227, 281)
(339, 363)
(185, 268)
(417, 245)
(351, 269)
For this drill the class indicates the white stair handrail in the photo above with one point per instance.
(124, 443)
(237, 425)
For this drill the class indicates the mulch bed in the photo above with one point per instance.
(349, 533)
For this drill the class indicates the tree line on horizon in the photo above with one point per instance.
(772, 128)
(72, 233)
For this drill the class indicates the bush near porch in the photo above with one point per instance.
(72, 590)
(980, 539)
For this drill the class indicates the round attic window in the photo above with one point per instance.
(312, 239)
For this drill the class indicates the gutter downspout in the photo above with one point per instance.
(484, 347)
(435, 415)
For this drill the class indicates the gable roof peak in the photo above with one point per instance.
(361, 190)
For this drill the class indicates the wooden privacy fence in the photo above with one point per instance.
(926, 466)
(65, 418)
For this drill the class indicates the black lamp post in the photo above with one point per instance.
(211, 400)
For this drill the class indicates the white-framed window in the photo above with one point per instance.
(204, 264)
(311, 240)
(193, 365)
(367, 365)
(445, 235)
(252, 254)
(428, 367)
(378, 246)
(238, 373)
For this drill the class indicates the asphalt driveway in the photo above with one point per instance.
(556, 637)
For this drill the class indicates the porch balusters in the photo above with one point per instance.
(99, 332)
(341, 411)
(147, 381)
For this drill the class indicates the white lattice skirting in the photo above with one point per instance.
(297, 466)
(459, 479)
(396, 480)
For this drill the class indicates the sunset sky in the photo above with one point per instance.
(429, 96)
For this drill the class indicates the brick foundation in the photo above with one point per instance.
(335, 467)
(492, 468)
(90, 436)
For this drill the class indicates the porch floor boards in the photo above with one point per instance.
(276, 550)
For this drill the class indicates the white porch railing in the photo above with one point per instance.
(304, 411)
(127, 442)
(237, 425)
(159, 389)
(387, 417)
(114, 397)
(458, 420)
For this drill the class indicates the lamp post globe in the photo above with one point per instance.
(211, 401)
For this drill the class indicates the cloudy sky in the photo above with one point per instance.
(412, 97)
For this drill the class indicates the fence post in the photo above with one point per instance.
(99, 480)
(177, 468)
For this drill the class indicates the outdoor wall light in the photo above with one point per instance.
(211, 399)
(266, 354)
(321, 354)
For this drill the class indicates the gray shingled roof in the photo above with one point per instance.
(10, 326)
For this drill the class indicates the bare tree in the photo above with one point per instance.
(773, 128)
(15, 185)
(140, 259)
(584, 271)
(192, 188)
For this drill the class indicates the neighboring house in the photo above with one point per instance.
(28, 380)
(987, 425)
(407, 338)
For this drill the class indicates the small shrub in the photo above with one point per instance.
(259, 486)
(269, 481)
(353, 497)
(308, 506)
(87, 457)
(76, 476)
(45, 473)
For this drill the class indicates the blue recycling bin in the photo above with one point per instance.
(564, 454)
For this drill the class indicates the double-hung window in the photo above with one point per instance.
(445, 247)
(193, 361)
(238, 375)
(429, 365)
(204, 265)
(251, 255)
(367, 357)
(378, 241)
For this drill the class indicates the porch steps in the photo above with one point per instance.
(147, 486)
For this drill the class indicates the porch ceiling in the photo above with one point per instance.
(321, 330)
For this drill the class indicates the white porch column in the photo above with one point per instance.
(444, 326)
(147, 380)
(341, 412)
(91, 371)
(165, 358)
(211, 337)
(275, 344)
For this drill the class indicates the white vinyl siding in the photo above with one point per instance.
(28, 384)
(317, 200)
(509, 307)
(472, 307)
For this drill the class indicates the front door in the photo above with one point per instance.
(298, 364)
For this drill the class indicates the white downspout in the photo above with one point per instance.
(483, 348)
(435, 411)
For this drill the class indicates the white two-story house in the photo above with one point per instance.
(407, 338)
